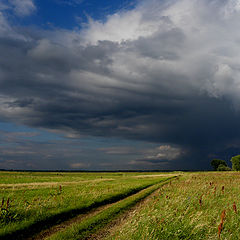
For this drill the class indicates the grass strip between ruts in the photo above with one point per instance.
(93, 224)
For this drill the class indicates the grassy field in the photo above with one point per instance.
(31, 202)
(81, 230)
(198, 206)
(204, 205)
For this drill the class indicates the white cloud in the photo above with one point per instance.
(129, 25)
(208, 56)
(23, 7)
(232, 7)
(5, 28)
(164, 152)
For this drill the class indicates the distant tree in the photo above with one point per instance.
(216, 162)
(236, 163)
(222, 167)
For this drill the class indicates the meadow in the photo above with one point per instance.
(34, 201)
(137, 206)
(197, 206)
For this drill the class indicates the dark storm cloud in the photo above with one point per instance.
(167, 78)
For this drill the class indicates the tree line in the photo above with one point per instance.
(221, 165)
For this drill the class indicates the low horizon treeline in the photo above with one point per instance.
(221, 165)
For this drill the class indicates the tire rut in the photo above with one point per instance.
(106, 231)
(49, 232)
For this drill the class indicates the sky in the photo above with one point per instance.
(119, 85)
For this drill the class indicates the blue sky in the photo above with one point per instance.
(69, 14)
(109, 85)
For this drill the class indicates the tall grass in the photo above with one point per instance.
(196, 207)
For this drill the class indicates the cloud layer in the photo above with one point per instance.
(165, 72)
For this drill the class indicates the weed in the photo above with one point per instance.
(6, 215)
(234, 207)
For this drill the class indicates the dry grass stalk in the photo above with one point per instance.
(223, 216)
(234, 207)
(2, 203)
(8, 200)
(220, 226)
(214, 192)
(200, 201)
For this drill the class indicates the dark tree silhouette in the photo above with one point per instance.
(216, 162)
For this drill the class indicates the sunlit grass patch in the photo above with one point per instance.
(40, 204)
(188, 209)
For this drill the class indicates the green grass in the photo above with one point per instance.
(91, 225)
(40, 203)
(39, 177)
(174, 212)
